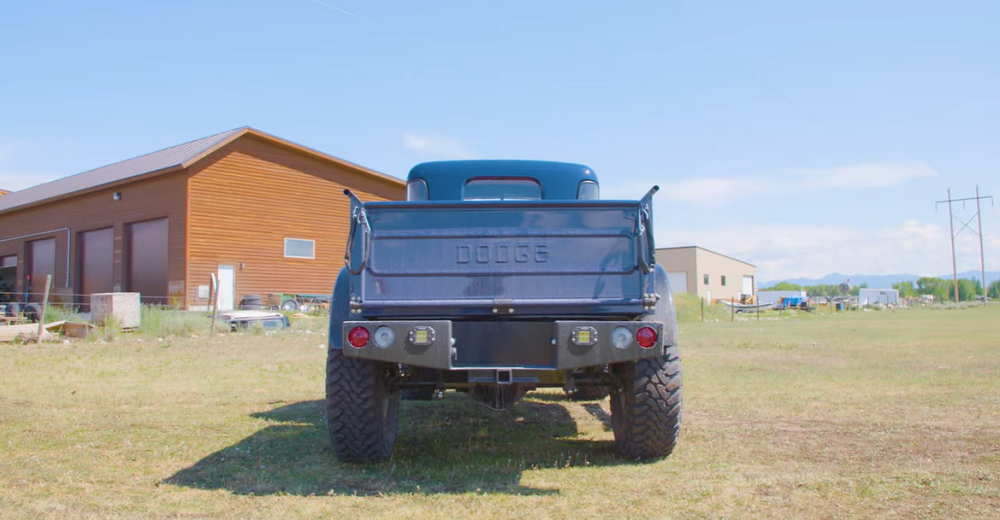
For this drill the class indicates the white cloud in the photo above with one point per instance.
(436, 146)
(793, 251)
(713, 192)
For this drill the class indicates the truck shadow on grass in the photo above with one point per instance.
(447, 446)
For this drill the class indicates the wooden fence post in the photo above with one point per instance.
(45, 305)
(214, 303)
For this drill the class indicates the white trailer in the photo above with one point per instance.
(878, 297)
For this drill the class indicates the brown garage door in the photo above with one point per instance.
(41, 262)
(147, 260)
(96, 250)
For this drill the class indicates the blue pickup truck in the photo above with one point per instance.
(495, 278)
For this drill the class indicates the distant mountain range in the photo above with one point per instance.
(877, 280)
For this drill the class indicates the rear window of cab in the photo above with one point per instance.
(502, 189)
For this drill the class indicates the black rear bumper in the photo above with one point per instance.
(474, 345)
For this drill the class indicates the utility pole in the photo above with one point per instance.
(982, 259)
(965, 225)
(951, 226)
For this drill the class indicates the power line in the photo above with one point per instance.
(965, 225)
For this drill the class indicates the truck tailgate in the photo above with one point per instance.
(500, 258)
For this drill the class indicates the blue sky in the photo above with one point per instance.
(803, 137)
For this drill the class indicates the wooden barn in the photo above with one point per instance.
(263, 214)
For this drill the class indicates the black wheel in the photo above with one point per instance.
(646, 410)
(361, 409)
(589, 393)
(13, 309)
(289, 305)
(33, 312)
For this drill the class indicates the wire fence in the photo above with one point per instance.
(13, 303)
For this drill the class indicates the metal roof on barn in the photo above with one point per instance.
(162, 161)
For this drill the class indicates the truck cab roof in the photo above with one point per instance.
(501, 180)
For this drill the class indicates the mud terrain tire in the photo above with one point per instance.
(361, 409)
(646, 409)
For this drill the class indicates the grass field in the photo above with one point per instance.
(892, 414)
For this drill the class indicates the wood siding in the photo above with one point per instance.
(63, 220)
(233, 207)
(247, 197)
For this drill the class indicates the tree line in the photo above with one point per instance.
(942, 290)
(968, 288)
(815, 290)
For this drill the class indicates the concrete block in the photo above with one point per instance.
(123, 307)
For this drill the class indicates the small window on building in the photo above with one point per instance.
(706, 279)
(299, 248)
(723, 280)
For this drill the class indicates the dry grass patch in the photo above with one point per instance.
(858, 415)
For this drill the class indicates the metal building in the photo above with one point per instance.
(708, 274)
(878, 297)
(261, 213)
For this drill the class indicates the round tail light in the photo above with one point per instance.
(358, 337)
(384, 337)
(646, 337)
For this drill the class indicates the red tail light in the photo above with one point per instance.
(359, 336)
(646, 337)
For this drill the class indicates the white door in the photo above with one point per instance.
(747, 285)
(227, 287)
